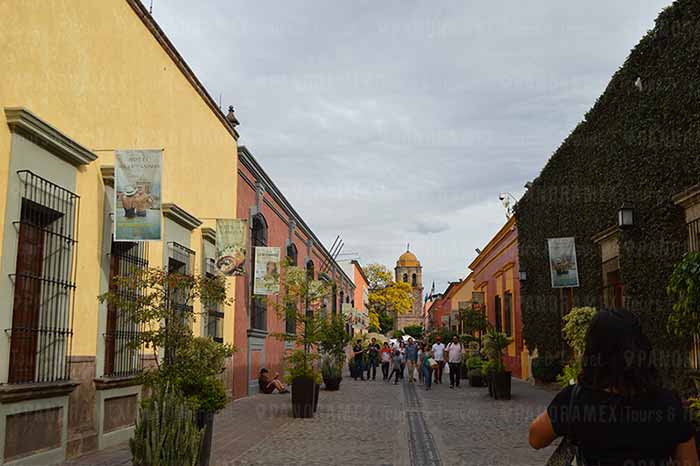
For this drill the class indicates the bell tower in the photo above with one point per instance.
(409, 270)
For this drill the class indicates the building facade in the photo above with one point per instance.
(409, 270)
(272, 221)
(358, 310)
(496, 286)
(80, 80)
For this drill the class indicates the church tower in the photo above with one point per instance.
(409, 270)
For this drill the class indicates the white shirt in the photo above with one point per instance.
(438, 351)
(454, 351)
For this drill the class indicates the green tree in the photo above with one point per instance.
(415, 331)
(387, 298)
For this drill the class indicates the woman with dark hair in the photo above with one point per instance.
(618, 414)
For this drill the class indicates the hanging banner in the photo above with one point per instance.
(231, 246)
(267, 267)
(562, 262)
(137, 191)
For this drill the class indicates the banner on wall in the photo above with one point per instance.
(267, 270)
(231, 246)
(137, 191)
(562, 262)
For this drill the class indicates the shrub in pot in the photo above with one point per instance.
(495, 344)
(575, 327)
(474, 371)
(190, 366)
(332, 341)
(300, 300)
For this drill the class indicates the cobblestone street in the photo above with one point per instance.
(375, 423)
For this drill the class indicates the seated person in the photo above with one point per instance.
(268, 384)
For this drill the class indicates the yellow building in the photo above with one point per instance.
(80, 79)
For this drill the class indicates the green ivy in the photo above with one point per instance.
(639, 147)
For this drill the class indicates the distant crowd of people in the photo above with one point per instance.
(424, 363)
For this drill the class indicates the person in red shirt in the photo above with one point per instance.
(385, 358)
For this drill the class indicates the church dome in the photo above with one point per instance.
(408, 259)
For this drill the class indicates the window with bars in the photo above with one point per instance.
(508, 313)
(258, 316)
(290, 322)
(694, 235)
(44, 282)
(180, 261)
(123, 355)
(213, 313)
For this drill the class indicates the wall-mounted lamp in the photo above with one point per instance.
(625, 217)
(478, 251)
(523, 275)
(528, 185)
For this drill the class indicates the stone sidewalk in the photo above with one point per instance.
(375, 423)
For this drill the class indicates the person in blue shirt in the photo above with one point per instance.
(411, 358)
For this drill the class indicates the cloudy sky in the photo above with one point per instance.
(399, 121)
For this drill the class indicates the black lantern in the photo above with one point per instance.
(625, 217)
(523, 275)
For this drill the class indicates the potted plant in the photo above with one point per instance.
(189, 366)
(575, 327)
(300, 299)
(474, 371)
(684, 318)
(495, 344)
(333, 339)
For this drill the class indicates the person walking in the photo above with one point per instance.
(427, 370)
(455, 354)
(358, 356)
(402, 351)
(372, 358)
(438, 350)
(385, 357)
(617, 413)
(396, 367)
(411, 358)
(421, 350)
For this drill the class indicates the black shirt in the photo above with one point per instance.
(610, 430)
(356, 349)
(374, 351)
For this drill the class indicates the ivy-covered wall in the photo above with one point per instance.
(638, 147)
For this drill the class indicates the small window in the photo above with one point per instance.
(414, 280)
(292, 254)
(405, 278)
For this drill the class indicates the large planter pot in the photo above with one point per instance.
(205, 420)
(476, 378)
(303, 391)
(317, 391)
(332, 384)
(489, 383)
(501, 385)
(464, 372)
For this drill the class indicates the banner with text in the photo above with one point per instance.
(267, 270)
(137, 190)
(231, 246)
(562, 262)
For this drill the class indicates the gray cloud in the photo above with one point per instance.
(400, 121)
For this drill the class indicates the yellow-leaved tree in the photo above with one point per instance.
(386, 297)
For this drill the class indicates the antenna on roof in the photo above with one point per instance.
(150, 9)
(408, 246)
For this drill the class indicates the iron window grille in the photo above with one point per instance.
(290, 322)
(213, 314)
(44, 282)
(258, 316)
(123, 353)
(180, 261)
(694, 235)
